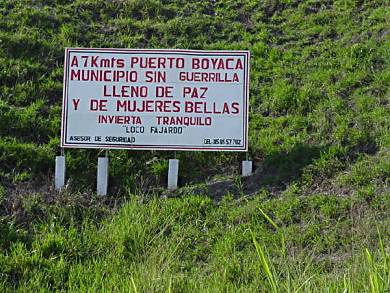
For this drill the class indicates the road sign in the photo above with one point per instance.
(155, 99)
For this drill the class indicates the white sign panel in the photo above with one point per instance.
(155, 99)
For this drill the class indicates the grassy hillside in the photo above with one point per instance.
(319, 137)
(312, 244)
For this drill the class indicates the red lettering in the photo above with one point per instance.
(75, 103)
(204, 89)
(228, 61)
(236, 107)
(188, 107)
(164, 91)
(195, 63)
(120, 63)
(75, 62)
(198, 106)
(215, 110)
(225, 109)
(186, 90)
(94, 60)
(133, 61)
(98, 105)
(149, 106)
(74, 74)
(239, 64)
(176, 105)
(161, 62)
(159, 106)
(85, 58)
(194, 92)
(121, 105)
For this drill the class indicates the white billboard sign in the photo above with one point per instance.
(155, 99)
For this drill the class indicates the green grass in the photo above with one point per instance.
(193, 244)
(319, 136)
(319, 91)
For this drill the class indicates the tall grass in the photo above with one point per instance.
(375, 268)
(267, 267)
(190, 245)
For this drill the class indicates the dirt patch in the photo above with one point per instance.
(235, 186)
(29, 202)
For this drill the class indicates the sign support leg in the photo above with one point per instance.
(173, 173)
(102, 175)
(59, 181)
(246, 166)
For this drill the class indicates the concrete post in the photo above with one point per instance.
(173, 173)
(102, 176)
(246, 168)
(59, 181)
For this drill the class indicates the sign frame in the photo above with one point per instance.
(245, 107)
